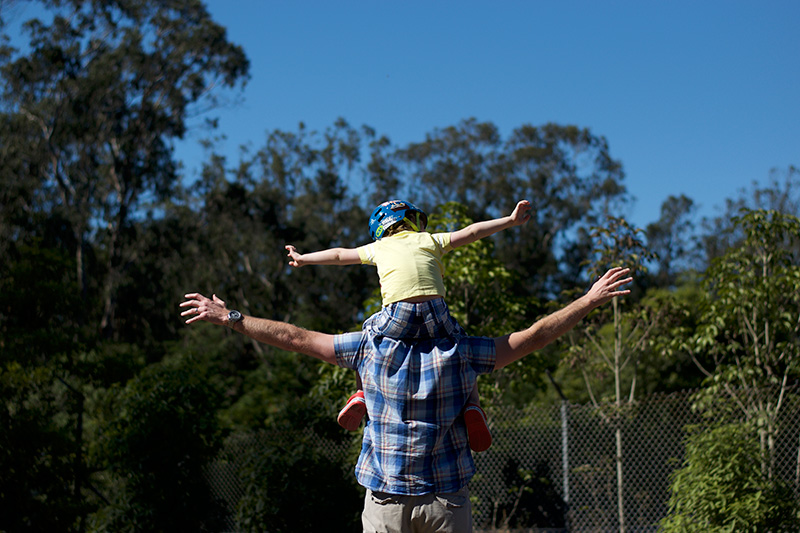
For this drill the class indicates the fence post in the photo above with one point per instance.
(565, 448)
(564, 445)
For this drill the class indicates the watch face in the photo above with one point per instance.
(234, 316)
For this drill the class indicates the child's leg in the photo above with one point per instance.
(474, 397)
(354, 410)
(480, 438)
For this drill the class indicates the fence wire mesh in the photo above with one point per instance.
(555, 469)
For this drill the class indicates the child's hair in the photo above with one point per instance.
(403, 225)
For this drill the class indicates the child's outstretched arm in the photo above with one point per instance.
(479, 230)
(331, 256)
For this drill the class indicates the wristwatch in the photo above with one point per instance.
(234, 316)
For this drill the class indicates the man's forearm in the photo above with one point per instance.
(544, 331)
(288, 337)
(519, 344)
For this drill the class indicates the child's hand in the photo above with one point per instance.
(297, 258)
(521, 213)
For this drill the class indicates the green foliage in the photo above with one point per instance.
(746, 340)
(618, 244)
(480, 290)
(667, 363)
(721, 486)
(749, 323)
(565, 171)
(780, 194)
(92, 107)
(672, 240)
(112, 407)
(488, 300)
(609, 345)
(752, 316)
(300, 476)
(38, 452)
(163, 433)
(39, 298)
(265, 390)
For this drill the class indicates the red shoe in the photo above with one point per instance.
(350, 417)
(480, 438)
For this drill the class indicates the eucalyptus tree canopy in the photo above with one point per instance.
(90, 109)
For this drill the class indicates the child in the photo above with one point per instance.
(409, 263)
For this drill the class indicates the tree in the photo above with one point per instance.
(484, 297)
(750, 322)
(746, 342)
(303, 452)
(162, 430)
(565, 171)
(781, 194)
(290, 191)
(670, 238)
(92, 108)
(41, 418)
(618, 347)
(720, 487)
(40, 489)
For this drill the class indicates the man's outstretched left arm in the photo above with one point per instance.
(279, 334)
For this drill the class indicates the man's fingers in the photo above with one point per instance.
(616, 272)
(199, 316)
(194, 299)
(621, 282)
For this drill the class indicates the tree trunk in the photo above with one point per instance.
(618, 416)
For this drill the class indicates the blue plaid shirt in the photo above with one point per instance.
(417, 372)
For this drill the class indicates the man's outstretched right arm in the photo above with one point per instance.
(521, 343)
(279, 334)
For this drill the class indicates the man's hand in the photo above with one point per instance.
(605, 288)
(208, 309)
(297, 257)
(521, 213)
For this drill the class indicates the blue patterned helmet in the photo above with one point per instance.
(393, 212)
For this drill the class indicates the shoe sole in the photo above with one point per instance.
(353, 413)
(480, 438)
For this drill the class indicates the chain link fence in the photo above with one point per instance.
(556, 470)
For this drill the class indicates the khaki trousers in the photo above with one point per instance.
(429, 513)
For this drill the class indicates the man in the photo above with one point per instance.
(415, 461)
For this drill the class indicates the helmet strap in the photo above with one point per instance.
(414, 223)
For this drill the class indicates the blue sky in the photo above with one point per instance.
(694, 97)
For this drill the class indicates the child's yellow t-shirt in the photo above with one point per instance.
(409, 264)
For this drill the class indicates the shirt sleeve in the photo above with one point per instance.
(366, 254)
(443, 241)
(483, 354)
(347, 347)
